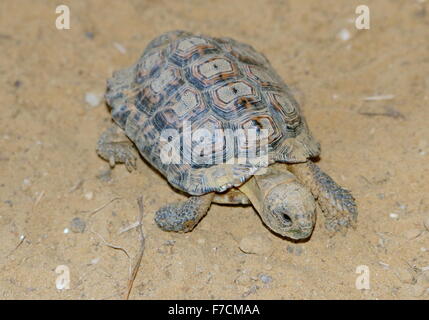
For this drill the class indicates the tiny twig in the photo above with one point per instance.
(389, 112)
(129, 227)
(21, 240)
(379, 98)
(114, 247)
(76, 186)
(38, 199)
(141, 251)
(91, 213)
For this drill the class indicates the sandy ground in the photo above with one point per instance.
(50, 173)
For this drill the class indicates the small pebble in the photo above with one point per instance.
(297, 250)
(394, 216)
(403, 206)
(169, 242)
(95, 260)
(26, 183)
(412, 233)
(265, 278)
(344, 34)
(257, 244)
(89, 195)
(89, 35)
(93, 99)
(77, 225)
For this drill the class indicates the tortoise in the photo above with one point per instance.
(196, 108)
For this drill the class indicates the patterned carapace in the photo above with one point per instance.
(210, 83)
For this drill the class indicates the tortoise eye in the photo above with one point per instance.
(284, 216)
(287, 220)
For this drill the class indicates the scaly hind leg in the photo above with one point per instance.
(185, 215)
(115, 147)
(337, 203)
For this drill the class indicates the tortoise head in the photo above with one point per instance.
(289, 210)
(285, 205)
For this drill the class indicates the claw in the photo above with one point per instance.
(130, 164)
(115, 147)
(112, 161)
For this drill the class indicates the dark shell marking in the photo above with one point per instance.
(214, 83)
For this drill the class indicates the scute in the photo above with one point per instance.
(189, 48)
(189, 92)
(210, 70)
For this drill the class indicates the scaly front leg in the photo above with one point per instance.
(115, 147)
(337, 203)
(185, 215)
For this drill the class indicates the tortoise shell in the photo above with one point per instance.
(187, 91)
